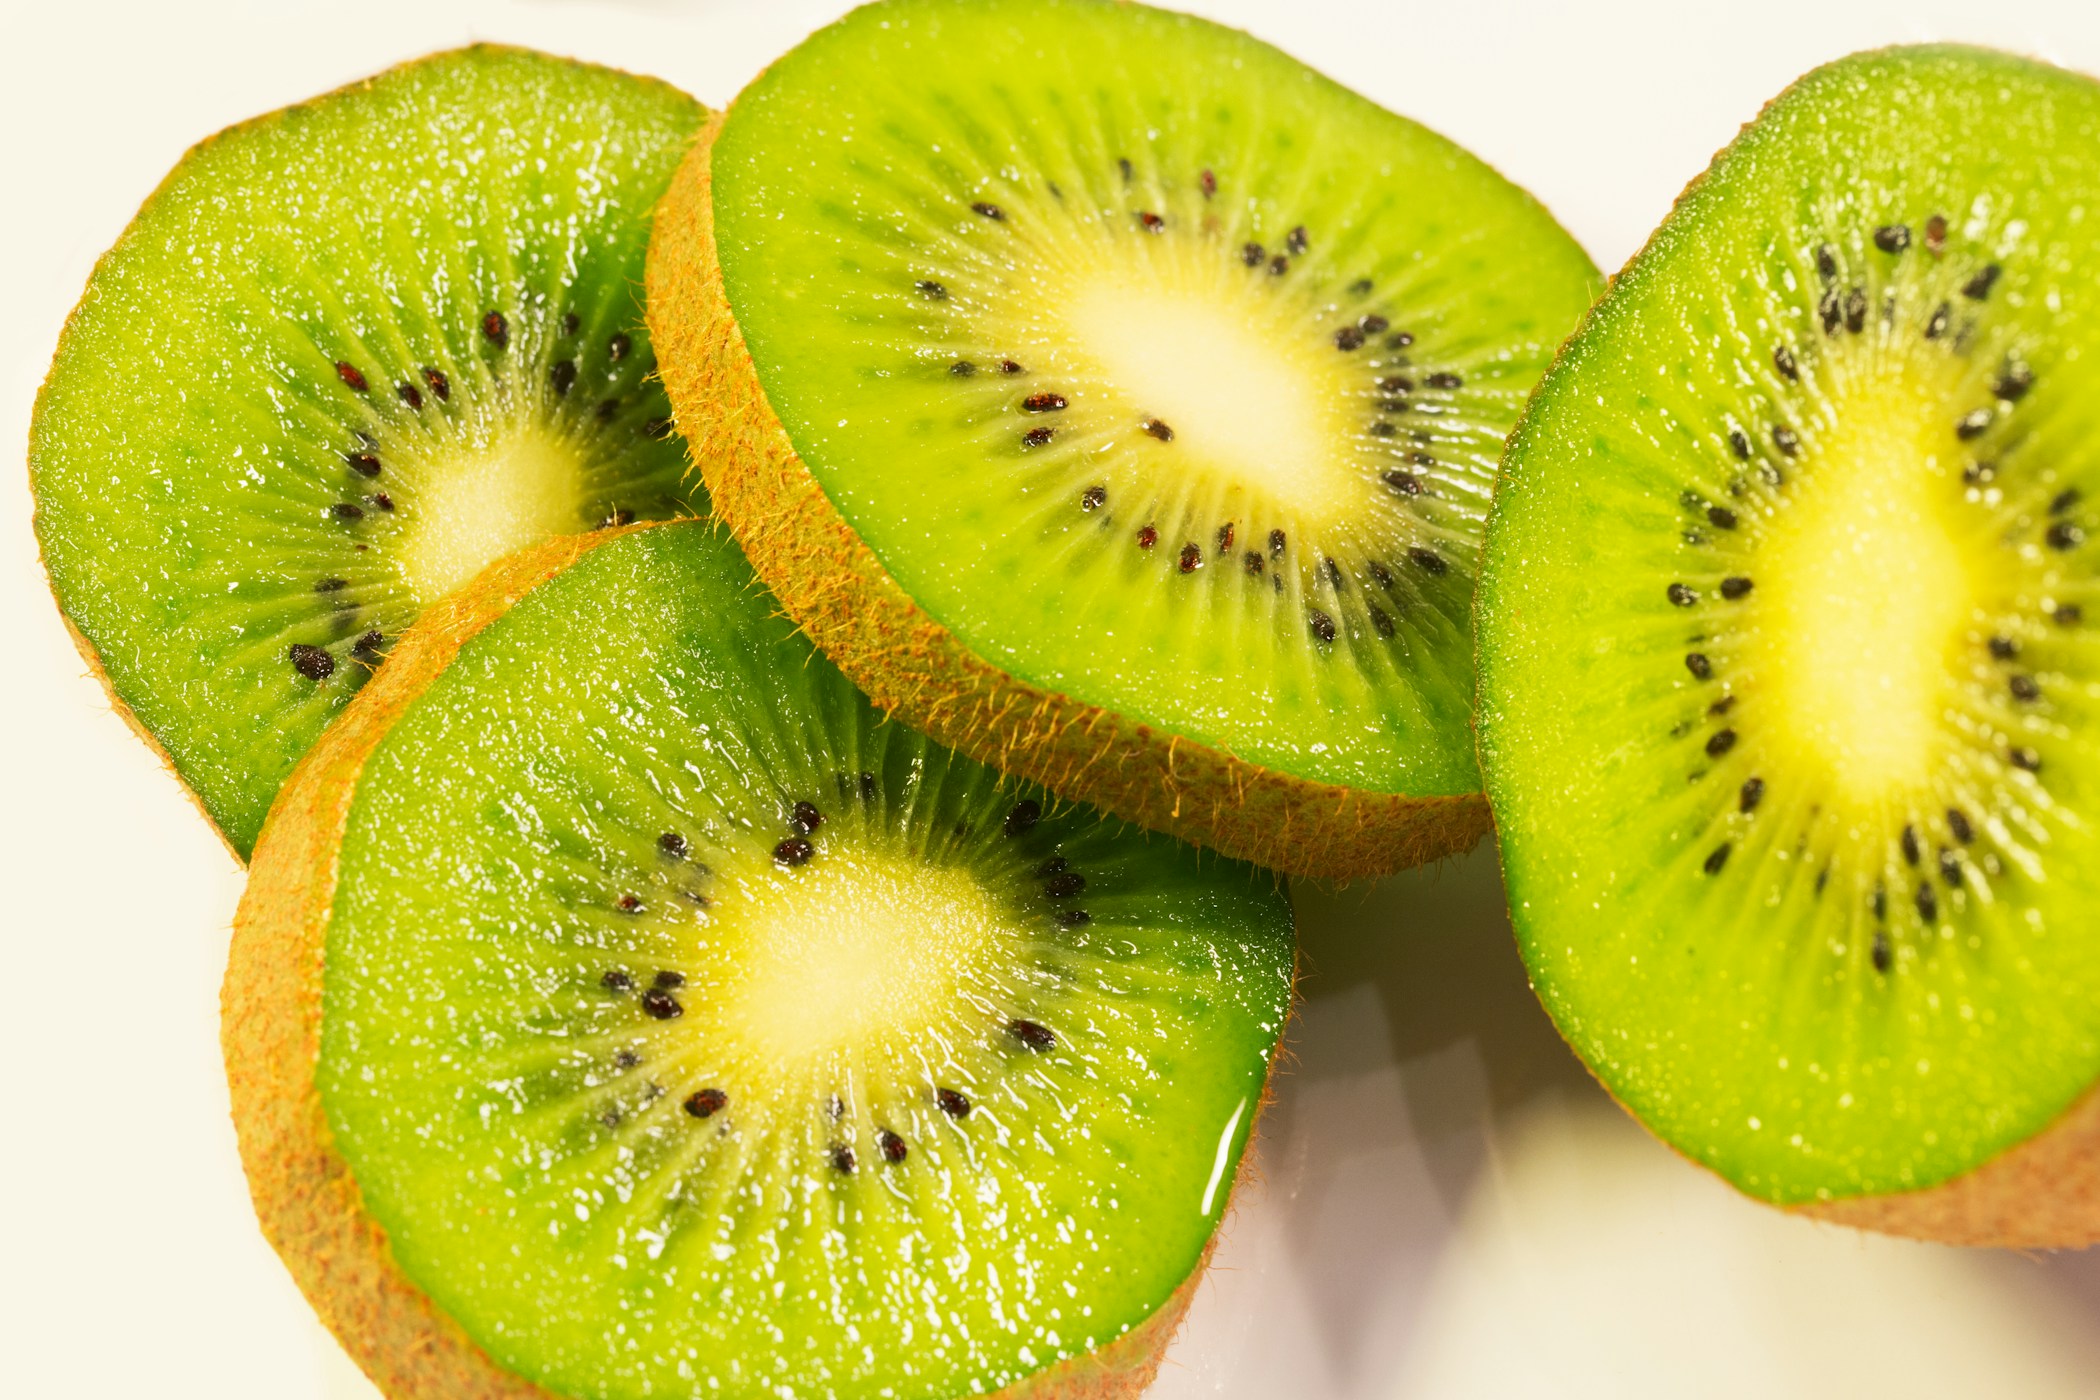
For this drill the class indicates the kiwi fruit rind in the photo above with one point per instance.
(1788, 662)
(1118, 400)
(345, 355)
(620, 1006)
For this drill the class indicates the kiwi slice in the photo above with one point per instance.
(1118, 399)
(1788, 669)
(345, 355)
(620, 1005)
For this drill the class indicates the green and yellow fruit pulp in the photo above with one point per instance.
(1154, 380)
(1788, 670)
(689, 1029)
(347, 354)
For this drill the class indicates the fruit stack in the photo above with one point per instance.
(770, 665)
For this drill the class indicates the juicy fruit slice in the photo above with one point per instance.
(346, 355)
(687, 1029)
(1136, 394)
(1787, 666)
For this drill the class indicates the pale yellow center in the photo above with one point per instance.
(851, 952)
(473, 509)
(1863, 592)
(1246, 394)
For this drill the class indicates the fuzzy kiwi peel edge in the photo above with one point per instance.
(832, 583)
(305, 1198)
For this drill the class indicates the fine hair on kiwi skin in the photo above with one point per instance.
(1794, 805)
(310, 1202)
(1429, 403)
(399, 396)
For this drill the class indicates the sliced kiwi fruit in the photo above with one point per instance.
(1789, 675)
(621, 1007)
(345, 355)
(1118, 399)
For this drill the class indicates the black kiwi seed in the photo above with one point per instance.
(1950, 867)
(667, 979)
(1717, 859)
(1043, 403)
(1682, 596)
(1191, 557)
(1074, 918)
(1785, 440)
(369, 643)
(626, 1057)
(1978, 288)
(561, 376)
(569, 322)
(1958, 826)
(1721, 706)
(607, 410)
(409, 394)
(661, 1004)
(1036, 437)
(953, 1102)
(1381, 428)
(439, 384)
(1022, 819)
(1973, 424)
(1722, 517)
(2004, 648)
(1056, 865)
(793, 850)
(616, 349)
(1372, 324)
(2064, 535)
(931, 290)
(1722, 741)
(1892, 238)
(1253, 254)
(1276, 542)
(868, 787)
(1322, 625)
(1882, 956)
(1279, 265)
(1908, 843)
(1129, 171)
(1739, 443)
(1428, 560)
(842, 1159)
(1332, 572)
(1406, 483)
(894, 1148)
(1297, 241)
(2064, 500)
(618, 515)
(1253, 562)
(496, 329)
(1829, 312)
(1065, 885)
(344, 510)
(1381, 621)
(382, 500)
(706, 1103)
(1396, 384)
(1736, 587)
(962, 369)
(1826, 262)
(2014, 383)
(1928, 903)
(1208, 183)
(2025, 688)
(363, 463)
(1349, 338)
(1011, 367)
(1936, 234)
(1158, 428)
(351, 375)
(1444, 380)
(1856, 310)
(1147, 536)
(312, 662)
(1225, 538)
(1031, 1034)
(990, 211)
(2068, 614)
(1093, 498)
(2025, 759)
(805, 818)
(1400, 340)
(1752, 793)
(1698, 665)
(1783, 361)
(1151, 223)
(629, 904)
(1936, 326)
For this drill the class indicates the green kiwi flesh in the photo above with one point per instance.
(345, 355)
(1788, 669)
(1162, 372)
(689, 1029)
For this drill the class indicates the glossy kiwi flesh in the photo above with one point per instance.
(345, 355)
(689, 1029)
(1788, 662)
(1161, 373)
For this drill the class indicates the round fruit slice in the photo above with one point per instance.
(1118, 400)
(1788, 672)
(347, 354)
(620, 1005)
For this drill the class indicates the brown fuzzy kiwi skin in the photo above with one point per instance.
(833, 585)
(305, 1197)
(89, 652)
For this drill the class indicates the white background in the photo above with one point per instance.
(1447, 1207)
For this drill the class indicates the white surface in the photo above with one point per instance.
(1447, 1207)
